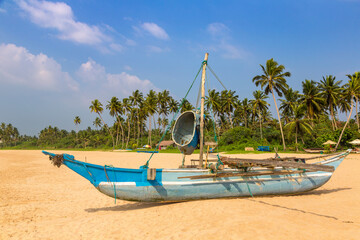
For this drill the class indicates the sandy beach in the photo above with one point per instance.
(40, 201)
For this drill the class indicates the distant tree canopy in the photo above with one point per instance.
(309, 117)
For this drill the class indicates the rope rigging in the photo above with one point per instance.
(219, 162)
(172, 120)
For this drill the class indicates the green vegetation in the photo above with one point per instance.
(304, 120)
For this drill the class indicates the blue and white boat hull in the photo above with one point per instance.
(132, 184)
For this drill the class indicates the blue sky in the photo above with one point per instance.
(58, 56)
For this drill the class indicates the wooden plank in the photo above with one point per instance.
(288, 158)
(209, 160)
(275, 163)
(322, 156)
(187, 166)
(244, 174)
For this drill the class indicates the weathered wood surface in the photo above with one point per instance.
(245, 174)
(237, 162)
(202, 110)
(187, 166)
(193, 161)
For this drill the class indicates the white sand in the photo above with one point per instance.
(40, 201)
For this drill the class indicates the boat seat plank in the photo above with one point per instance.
(245, 174)
(237, 162)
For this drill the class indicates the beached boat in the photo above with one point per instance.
(314, 150)
(240, 177)
(147, 184)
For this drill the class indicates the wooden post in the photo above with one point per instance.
(207, 156)
(202, 111)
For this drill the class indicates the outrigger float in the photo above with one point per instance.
(226, 177)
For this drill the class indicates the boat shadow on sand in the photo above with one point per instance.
(130, 206)
(144, 205)
(322, 191)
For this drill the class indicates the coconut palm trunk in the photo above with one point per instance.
(230, 118)
(128, 136)
(246, 119)
(117, 134)
(155, 128)
(357, 114)
(112, 137)
(261, 134)
(150, 131)
(122, 136)
(122, 131)
(348, 119)
(138, 123)
(277, 111)
(296, 139)
(333, 121)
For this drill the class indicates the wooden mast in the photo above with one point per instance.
(202, 111)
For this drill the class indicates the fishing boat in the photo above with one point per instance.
(219, 178)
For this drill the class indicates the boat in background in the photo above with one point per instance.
(314, 150)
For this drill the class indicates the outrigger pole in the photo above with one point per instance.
(202, 106)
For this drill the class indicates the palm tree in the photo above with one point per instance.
(344, 102)
(164, 123)
(163, 102)
(85, 138)
(212, 102)
(116, 109)
(356, 77)
(77, 121)
(186, 106)
(228, 100)
(312, 99)
(97, 122)
(15, 135)
(287, 105)
(298, 123)
(136, 100)
(331, 92)
(2, 133)
(266, 116)
(259, 105)
(128, 110)
(143, 115)
(173, 106)
(273, 79)
(246, 108)
(150, 108)
(96, 107)
(352, 88)
(9, 134)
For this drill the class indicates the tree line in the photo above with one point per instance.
(303, 118)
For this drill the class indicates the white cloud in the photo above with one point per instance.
(21, 68)
(127, 68)
(155, 30)
(158, 49)
(230, 51)
(221, 42)
(91, 72)
(130, 42)
(128, 19)
(97, 79)
(59, 16)
(217, 29)
(116, 47)
(126, 83)
(2, 10)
